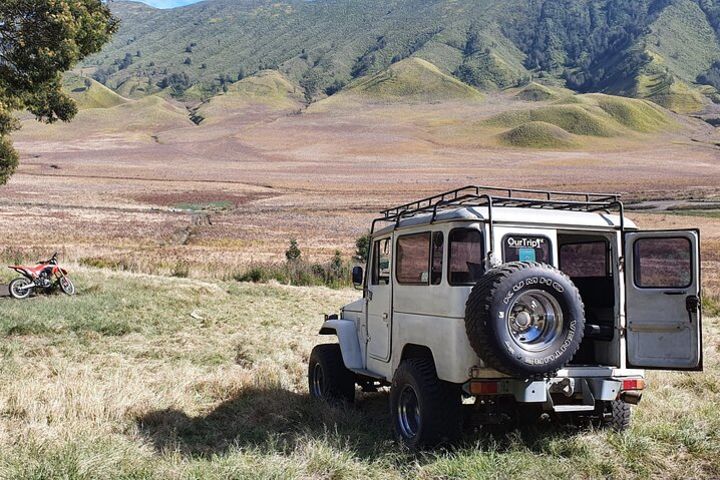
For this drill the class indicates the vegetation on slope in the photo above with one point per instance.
(412, 80)
(536, 92)
(267, 88)
(589, 115)
(606, 45)
(537, 135)
(89, 93)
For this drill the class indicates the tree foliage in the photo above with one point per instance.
(39, 40)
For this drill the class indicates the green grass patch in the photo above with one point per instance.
(537, 135)
(413, 79)
(577, 119)
(216, 206)
(536, 92)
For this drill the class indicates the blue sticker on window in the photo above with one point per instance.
(526, 255)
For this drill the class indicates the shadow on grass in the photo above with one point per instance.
(282, 420)
(259, 417)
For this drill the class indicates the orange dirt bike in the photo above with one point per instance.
(45, 276)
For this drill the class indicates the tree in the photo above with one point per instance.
(39, 40)
(293, 253)
(362, 248)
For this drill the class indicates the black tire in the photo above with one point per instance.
(615, 414)
(20, 294)
(328, 378)
(67, 286)
(437, 416)
(499, 293)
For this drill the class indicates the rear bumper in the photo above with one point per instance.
(559, 394)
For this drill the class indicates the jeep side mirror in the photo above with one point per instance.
(357, 276)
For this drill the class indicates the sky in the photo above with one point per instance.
(167, 3)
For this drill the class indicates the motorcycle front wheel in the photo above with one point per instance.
(67, 286)
(20, 288)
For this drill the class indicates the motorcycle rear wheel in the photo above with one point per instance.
(66, 286)
(18, 288)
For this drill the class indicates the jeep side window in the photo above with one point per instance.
(381, 262)
(526, 248)
(584, 260)
(466, 256)
(413, 259)
(663, 262)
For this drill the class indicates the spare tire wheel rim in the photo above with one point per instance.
(535, 320)
(408, 412)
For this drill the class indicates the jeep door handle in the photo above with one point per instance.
(384, 316)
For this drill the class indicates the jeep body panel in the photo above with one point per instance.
(347, 335)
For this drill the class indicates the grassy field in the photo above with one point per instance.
(142, 376)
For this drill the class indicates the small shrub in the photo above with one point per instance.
(181, 269)
(293, 252)
(334, 274)
(98, 262)
(711, 305)
(362, 248)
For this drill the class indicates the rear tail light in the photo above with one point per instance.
(484, 388)
(633, 384)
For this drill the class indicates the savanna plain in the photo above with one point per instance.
(166, 365)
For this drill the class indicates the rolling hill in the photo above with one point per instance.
(662, 50)
(410, 80)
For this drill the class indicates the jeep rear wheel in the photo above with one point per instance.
(426, 411)
(525, 319)
(615, 414)
(328, 378)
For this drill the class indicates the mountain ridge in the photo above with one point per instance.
(609, 46)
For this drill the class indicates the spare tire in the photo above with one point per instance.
(525, 319)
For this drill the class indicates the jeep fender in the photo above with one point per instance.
(346, 333)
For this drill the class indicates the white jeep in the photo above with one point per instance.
(520, 303)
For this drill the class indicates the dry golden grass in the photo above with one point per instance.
(151, 377)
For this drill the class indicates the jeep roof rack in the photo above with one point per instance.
(484, 196)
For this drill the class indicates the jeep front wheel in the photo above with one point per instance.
(328, 378)
(425, 410)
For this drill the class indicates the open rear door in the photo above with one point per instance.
(663, 300)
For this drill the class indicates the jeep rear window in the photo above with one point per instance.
(663, 262)
(466, 256)
(584, 260)
(526, 248)
(413, 259)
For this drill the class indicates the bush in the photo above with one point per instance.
(293, 252)
(362, 248)
(181, 269)
(334, 274)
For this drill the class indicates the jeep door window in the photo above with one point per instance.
(381, 262)
(466, 256)
(526, 248)
(413, 259)
(584, 260)
(437, 258)
(663, 262)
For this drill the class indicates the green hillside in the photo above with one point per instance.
(656, 49)
(564, 123)
(268, 88)
(411, 80)
(88, 93)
